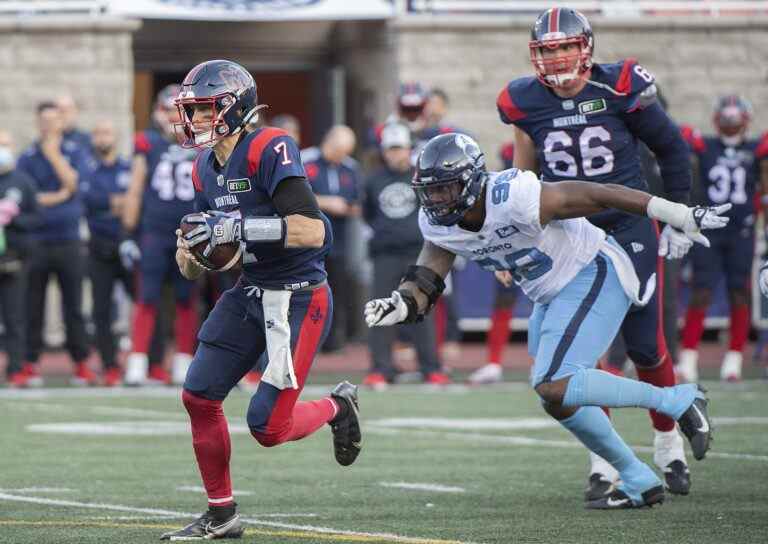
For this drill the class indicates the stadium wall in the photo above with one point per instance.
(693, 59)
(41, 57)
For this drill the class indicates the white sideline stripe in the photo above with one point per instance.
(424, 487)
(472, 424)
(131, 518)
(40, 490)
(201, 489)
(526, 441)
(253, 521)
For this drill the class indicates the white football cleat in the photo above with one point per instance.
(730, 370)
(136, 368)
(687, 368)
(489, 373)
(669, 456)
(181, 362)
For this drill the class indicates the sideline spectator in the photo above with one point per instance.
(391, 210)
(69, 114)
(55, 166)
(335, 179)
(18, 216)
(288, 123)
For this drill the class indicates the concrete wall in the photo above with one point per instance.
(44, 56)
(693, 60)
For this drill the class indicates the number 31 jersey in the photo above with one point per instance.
(169, 193)
(585, 137)
(542, 260)
(730, 174)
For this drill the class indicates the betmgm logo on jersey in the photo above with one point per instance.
(593, 106)
(238, 185)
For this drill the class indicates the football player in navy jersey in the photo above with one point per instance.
(730, 166)
(160, 194)
(577, 119)
(255, 191)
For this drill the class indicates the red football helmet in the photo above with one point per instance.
(554, 28)
(731, 118)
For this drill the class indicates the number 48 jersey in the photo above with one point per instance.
(541, 260)
(586, 137)
(169, 193)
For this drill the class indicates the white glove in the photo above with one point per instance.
(689, 220)
(673, 243)
(382, 312)
(129, 252)
(762, 279)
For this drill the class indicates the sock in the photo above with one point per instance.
(593, 429)
(739, 327)
(185, 328)
(210, 439)
(440, 323)
(305, 419)
(661, 376)
(693, 328)
(498, 334)
(590, 387)
(144, 317)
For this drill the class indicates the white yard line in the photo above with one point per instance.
(40, 490)
(159, 512)
(423, 487)
(526, 441)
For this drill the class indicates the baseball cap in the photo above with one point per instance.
(395, 135)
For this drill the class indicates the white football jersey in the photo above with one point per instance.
(541, 260)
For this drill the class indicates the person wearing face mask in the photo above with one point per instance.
(104, 195)
(730, 167)
(390, 208)
(56, 168)
(160, 193)
(18, 216)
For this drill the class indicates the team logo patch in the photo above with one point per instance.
(238, 185)
(316, 315)
(220, 180)
(593, 106)
(506, 232)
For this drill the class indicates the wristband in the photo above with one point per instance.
(264, 229)
(671, 213)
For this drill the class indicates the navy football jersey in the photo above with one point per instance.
(169, 193)
(584, 137)
(730, 174)
(246, 183)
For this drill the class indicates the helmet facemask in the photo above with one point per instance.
(731, 122)
(560, 70)
(445, 202)
(208, 133)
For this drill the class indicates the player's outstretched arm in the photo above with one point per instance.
(568, 199)
(418, 291)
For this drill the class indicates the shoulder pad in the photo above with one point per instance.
(761, 151)
(632, 78)
(511, 100)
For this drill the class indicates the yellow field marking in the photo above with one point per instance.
(250, 530)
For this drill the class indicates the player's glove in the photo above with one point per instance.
(691, 221)
(673, 243)
(382, 312)
(213, 227)
(763, 279)
(129, 252)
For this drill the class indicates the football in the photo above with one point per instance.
(222, 256)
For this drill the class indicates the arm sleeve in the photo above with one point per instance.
(657, 130)
(294, 196)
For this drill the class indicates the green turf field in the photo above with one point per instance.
(498, 471)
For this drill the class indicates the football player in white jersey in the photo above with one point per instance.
(581, 281)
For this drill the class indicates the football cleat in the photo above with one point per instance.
(83, 376)
(113, 377)
(669, 457)
(17, 379)
(730, 370)
(179, 367)
(136, 368)
(489, 373)
(696, 425)
(598, 487)
(347, 440)
(207, 527)
(437, 378)
(158, 375)
(618, 500)
(687, 369)
(376, 381)
(32, 373)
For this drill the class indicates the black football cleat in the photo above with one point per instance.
(347, 440)
(598, 487)
(618, 500)
(697, 427)
(677, 478)
(207, 527)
